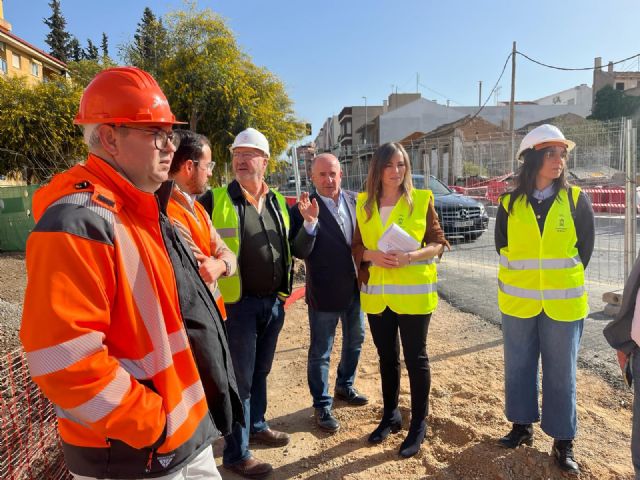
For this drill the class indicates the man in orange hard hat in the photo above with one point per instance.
(120, 331)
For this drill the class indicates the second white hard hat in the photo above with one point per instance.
(251, 138)
(543, 134)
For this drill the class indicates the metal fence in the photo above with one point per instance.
(481, 168)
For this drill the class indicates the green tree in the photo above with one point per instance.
(57, 38)
(37, 135)
(91, 52)
(149, 44)
(75, 50)
(105, 46)
(214, 86)
(611, 103)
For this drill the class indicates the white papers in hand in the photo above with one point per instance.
(395, 238)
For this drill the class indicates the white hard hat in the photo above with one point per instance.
(251, 138)
(543, 134)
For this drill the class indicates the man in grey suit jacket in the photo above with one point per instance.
(619, 335)
(331, 286)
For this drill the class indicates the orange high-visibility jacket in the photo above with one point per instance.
(195, 225)
(103, 332)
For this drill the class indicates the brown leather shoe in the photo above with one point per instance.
(269, 437)
(251, 468)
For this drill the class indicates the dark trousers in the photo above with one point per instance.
(413, 333)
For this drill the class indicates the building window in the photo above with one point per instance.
(3, 66)
(620, 86)
(35, 69)
(348, 128)
(16, 61)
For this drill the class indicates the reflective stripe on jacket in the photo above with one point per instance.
(227, 221)
(542, 272)
(408, 290)
(102, 328)
(195, 225)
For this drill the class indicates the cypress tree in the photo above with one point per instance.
(57, 38)
(91, 52)
(105, 46)
(75, 50)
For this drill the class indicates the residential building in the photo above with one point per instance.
(424, 116)
(20, 58)
(305, 154)
(581, 95)
(627, 82)
(327, 138)
(452, 150)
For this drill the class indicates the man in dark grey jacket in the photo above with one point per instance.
(623, 334)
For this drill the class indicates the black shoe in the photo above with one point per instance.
(563, 452)
(326, 421)
(391, 423)
(519, 434)
(411, 445)
(351, 396)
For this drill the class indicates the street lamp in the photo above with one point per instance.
(366, 120)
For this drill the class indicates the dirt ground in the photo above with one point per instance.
(466, 409)
(466, 415)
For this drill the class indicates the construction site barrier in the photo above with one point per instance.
(16, 220)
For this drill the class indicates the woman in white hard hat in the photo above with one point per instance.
(544, 235)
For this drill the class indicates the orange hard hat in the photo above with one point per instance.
(124, 95)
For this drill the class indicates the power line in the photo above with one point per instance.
(438, 93)
(575, 69)
(504, 67)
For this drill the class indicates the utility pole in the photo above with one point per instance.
(512, 108)
(479, 93)
(366, 120)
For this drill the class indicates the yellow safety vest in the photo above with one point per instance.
(542, 272)
(408, 290)
(226, 222)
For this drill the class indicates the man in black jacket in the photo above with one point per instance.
(331, 286)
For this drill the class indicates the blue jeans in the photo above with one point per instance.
(635, 435)
(253, 326)
(526, 340)
(322, 326)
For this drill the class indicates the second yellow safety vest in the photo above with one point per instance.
(542, 272)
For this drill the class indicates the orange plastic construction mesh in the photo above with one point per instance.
(29, 444)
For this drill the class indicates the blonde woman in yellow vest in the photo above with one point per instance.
(398, 288)
(544, 235)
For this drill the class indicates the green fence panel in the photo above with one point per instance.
(16, 219)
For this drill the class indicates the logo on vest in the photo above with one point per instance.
(561, 228)
(165, 461)
(400, 220)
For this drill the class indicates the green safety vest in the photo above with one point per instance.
(410, 290)
(226, 222)
(542, 272)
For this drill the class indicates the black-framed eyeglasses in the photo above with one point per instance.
(209, 166)
(160, 137)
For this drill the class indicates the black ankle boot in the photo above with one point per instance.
(563, 452)
(390, 423)
(519, 434)
(411, 445)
